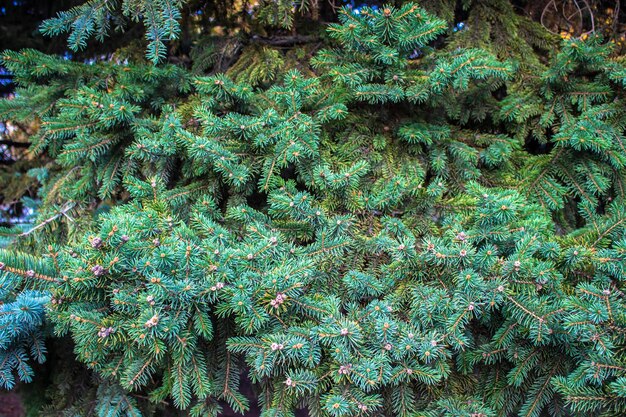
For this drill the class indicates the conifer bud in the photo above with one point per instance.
(98, 270)
(277, 346)
(96, 242)
(30, 273)
(154, 320)
(344, 369)
(105, 332)
(2, 266)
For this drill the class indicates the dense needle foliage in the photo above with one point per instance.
(382, 218)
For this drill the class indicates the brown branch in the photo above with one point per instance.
(14, 144)
(284, 40)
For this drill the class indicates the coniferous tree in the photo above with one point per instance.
(349, 232)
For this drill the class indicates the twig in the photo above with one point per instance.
(284, 40)
(580, 12)
(64, 210)
(616, 15)
(143, 397)
(14, 144)
(543, 13)
(591, 16)
(335, 7)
